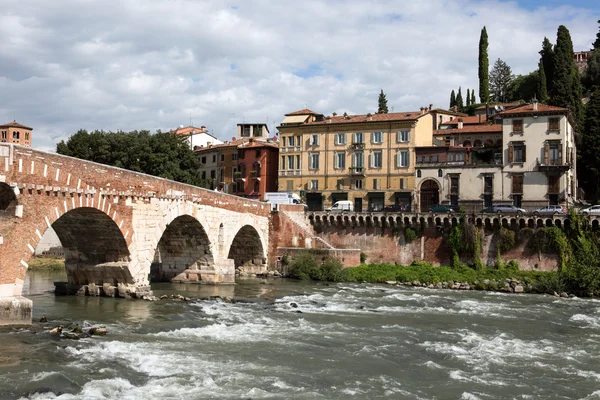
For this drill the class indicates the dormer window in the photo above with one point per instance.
(517, 126)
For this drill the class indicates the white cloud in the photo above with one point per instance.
(150, 64)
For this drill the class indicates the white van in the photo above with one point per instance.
(342, 205)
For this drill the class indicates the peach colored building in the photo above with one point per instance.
(14, 132)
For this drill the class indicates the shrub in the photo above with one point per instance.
(331, 270)
(363, 258)
(303, 266)
(409, 234)
(506, 240)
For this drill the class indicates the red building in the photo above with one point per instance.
(257, 171)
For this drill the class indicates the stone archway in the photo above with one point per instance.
(247, 251)
(95, 250)
(429, 194)
(183, 246)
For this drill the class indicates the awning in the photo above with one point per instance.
(294, 119)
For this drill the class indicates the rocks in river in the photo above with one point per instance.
(293, 305)
(70, 335)
(564, 295)
(518, 289)
(416, 283)
(98, 331)
(43, 319)
(56, 331)
(439, 285)
(391, 282)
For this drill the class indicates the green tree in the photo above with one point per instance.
(547, 60)
(473, 97)
(596, 43)
(542, 88)
(484, 90)
(160, 154)
(524, 87)
(459, 100)
(382, 107)
(501, 78)
(589, 152)
(452, 99)
(468, 98)
(591, 77)
(566, 90)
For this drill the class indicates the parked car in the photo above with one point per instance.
(593, 210)
(395, 208)
(504, 209)
(444, 208)
(549, 210)
(342, 205)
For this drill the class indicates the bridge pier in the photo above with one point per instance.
(15, 310)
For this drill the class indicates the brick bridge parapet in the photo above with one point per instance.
(118, 227)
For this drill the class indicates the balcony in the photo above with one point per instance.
(552, 164)
(357, 171)
(358, 146)
(289, 172)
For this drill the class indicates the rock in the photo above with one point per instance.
(450, 285)
(44, 319)
(98, 331)
(71, 335)
(293, 305)
(298, 311)
(227, 299)
(572, 296)
(519, 289)
(164, 297)
(486, 282)
(439, 285)
(185, 299)
(416, 283)
(77, 329)
(556, 294)
(430, 286)
(56, 331)
(391, 282)
(444, 285)
(271, 273)
(465, 286)
(564, 295)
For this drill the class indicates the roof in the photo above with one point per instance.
(304, 111)
(187, 130)
(294, 119)
(233, 143)
(495, 128)
(260, 143)
(505, 105)
(528, 109)
(449, 112)
(15, 124)
(468, 120)
(354, 119)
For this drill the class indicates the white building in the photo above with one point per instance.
(196, 137)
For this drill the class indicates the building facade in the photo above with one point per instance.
(196, 137)
(16, 133)
(256, 172)
(367, 159)
(528, 159)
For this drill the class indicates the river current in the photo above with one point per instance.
(342, 341)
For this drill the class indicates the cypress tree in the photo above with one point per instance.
(484, 65)
(589, 154)
(473, 101)
(596, 43)
(547, 55)
(382, 107)
(459, 100)
(468, 98)
(452, 99)
(542, 89)
(592, 72)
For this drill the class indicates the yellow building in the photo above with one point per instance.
(367, 159)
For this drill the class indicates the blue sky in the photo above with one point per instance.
(129, 65)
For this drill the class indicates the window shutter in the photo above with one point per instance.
(408, 136)
(510, 153)
(407, 158)
(397, 159)
(560, 151)
(354, 138)
(371, 160)
(524, 149)
(546, 153)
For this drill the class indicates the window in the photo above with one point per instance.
(291, 141)
(403, 137)
(488, 184)
(15, 135)
(314, 140)
(553, 184)
(553, 153)
(222, 174)
(222, 157)
(440, 173)
(376, 184)
(289, 185)
(3, 136)
(517, 184)
(283, 139)
(282, 162)
(290, 162)
(246, 131)
(340, 184)
(26, 135)
(516, 152)
(554, 124)
(402, 159)
(517, 126)
(314, 185)
(256, 186)
(256, 131)
(419, 173)
(358, 184)
(454, 179)
(257, 154)
(203, 160)
(213, 174)
(313, 161)
(298, 141)
(340, 138)
(403, 183)
(456, 157)
(376, 159)
(234, 157)
(376, 137)
(357, 138)
(339, 160)
(203, 175)
(233, 171)
(240, 186)
(214, 158)
(358, 160)
(298, 162)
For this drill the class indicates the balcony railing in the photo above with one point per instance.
(358, 146)
(357, 170)
(289, 172)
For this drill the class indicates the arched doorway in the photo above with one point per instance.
(429, 194)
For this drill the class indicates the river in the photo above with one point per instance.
(343, 341)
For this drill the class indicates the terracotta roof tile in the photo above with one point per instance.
(469, 120)
(505, 105)
(304, 111)
(15, 124)
(353, 119)
(528, 109)
(495, 128)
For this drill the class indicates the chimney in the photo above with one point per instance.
(334, 114)
(369, 117)
(535, 104)
(203, 127)
(430, 107)
(455, 109)
(422, 110)
(460, 123)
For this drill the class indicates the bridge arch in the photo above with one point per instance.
(8, 197)
(247, 249)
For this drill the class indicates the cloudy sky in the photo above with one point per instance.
(151, 64)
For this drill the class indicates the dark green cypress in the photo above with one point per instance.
(468, 98)
(547, 54)
(596, 43)
(382, 107)
(473, 101)
(452, 99)
(459, 100)
(588, 163)
(484, 66)
(542, 89)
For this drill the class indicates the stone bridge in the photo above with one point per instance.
(118, 228)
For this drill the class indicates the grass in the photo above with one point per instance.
(46, 264)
